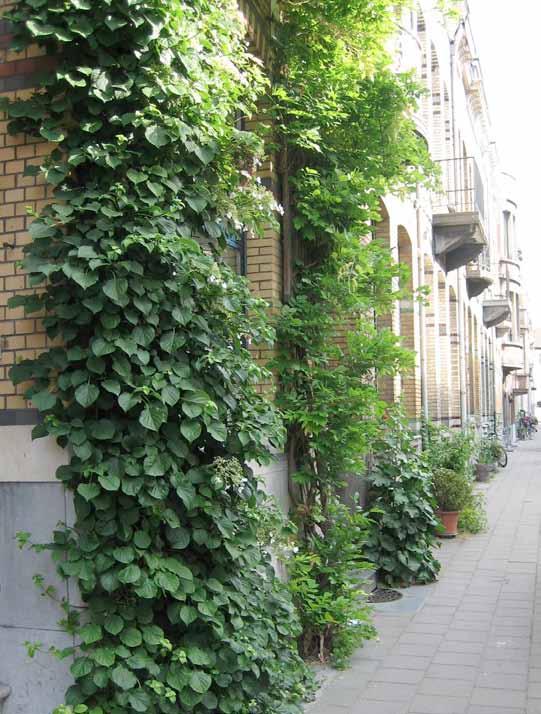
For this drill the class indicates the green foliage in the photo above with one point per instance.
(325, 582)
(473, 517)
(153, 390)
(449, 449)
(346, 140)
(452, 489)
(488, 450)
(402, 537)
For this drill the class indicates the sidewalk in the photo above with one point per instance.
(471, 643)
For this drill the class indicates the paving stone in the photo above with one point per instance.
(406, 662)
(499, 680)
(398, 676)
(446, 687)
(390, 692)
(438, 705)
(494, 710)
(453, 671)
(533, 706)
(457, 658)
(370, 706)
(498, 698)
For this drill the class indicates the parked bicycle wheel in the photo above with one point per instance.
(502, 457)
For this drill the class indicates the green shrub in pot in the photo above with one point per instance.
(452, 489)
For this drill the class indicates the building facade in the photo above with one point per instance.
(471, 334)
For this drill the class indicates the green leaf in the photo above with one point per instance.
(218, 430)
(187, 494)
(188, 614)
(198, 656)
(123, 678)
(129, 575)
(114, 624)
(170, 395)
(142, 539)
(39, 229)
(44, 400)
(157, 136)
(110, 482)
(87, 394)
(103, 430)
(167, 581)
(124, 554)
(127, 400)
(116, 290)
(153, 416)
(178, 568)
(136, 176)
(153, 635)
(88, 490)
(93, 125)
(139, 701)
(112, 386)
(200, 682)
(131, 637)
(90, 633)
(104, 656)
(190, 430)
(81, 667)
(52, 133)
(40, 29)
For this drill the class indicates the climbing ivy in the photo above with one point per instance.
(150, 385)
(347, 140)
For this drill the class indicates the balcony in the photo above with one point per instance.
(459, 214)
(496, 311)
(478, 275)
(510, 272)
(512, 356)
(504, 328)
(521, 384)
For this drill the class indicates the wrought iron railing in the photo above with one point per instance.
(462, 187)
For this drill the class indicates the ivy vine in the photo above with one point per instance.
(153, 389)
(343, 118)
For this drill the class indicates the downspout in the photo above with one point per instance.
(422, 315)
(461, 327)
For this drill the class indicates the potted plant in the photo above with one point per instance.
(452, 491)
(485, 461)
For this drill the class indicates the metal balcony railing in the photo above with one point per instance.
(463, 189)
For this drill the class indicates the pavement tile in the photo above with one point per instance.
(369, 706)
(452, 671)
(399, 676)
(407, 662)
(498, 698)
(446, 687)
(438, 705)
(494, 710)
(498, 680)
(390, 692)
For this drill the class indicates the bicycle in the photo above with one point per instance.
(498, 450)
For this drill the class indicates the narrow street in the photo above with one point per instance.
(470, 644)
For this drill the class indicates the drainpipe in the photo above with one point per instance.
(461, 332)
(422, 313)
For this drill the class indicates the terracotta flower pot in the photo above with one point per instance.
(483, 472)
(449, 520)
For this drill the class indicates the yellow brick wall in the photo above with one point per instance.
(21, 337)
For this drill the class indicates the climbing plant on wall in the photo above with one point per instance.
(343, 120)
(151, 387)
